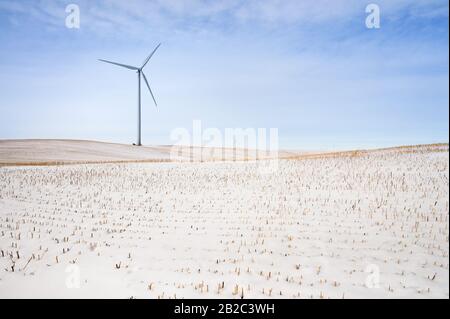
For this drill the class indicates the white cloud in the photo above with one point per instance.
(171, 15)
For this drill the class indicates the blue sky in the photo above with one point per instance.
(309, 68)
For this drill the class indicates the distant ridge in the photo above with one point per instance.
(36, 152)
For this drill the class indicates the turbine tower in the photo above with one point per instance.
(139, 72)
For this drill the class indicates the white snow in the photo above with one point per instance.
(51, 152)
(373, 225)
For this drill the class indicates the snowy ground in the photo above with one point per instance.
(51, 152)
(368, 225)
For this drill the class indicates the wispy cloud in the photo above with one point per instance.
(180, 15)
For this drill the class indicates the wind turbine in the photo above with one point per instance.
(139, 72)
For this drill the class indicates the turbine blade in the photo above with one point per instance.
(150, 56)
(122, 65)
(146, 82)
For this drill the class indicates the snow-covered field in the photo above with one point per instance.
(56, 152)
(370, 225)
